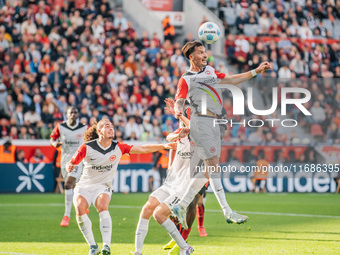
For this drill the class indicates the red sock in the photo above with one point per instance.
(200, 215)
(185, 233)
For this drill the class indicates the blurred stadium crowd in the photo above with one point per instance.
(87, 54)
(301, 40)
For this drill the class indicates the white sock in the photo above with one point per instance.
(68, 202)
(105, 227)
(85, 226)
(141, 231)
(174, 233)
(196, 184)
(216, 185)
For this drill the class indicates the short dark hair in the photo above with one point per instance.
(190, 47)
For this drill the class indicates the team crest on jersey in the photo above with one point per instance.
(208, 72)
(212, 149)
(79, 136)
(113, 157)
(192, 143)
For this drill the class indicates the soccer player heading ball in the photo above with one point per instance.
(200, 79)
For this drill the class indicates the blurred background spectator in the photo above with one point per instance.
(93, 57)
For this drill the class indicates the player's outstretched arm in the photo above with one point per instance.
(171, 108)
(174, 136)
(242, 77)
(149, 148)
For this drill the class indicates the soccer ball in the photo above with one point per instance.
(209, 32)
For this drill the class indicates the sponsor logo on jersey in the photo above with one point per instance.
(103, 168)
(185, 154)
(72, 142)
(113, 157)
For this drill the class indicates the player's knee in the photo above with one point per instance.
(70, 183)
(147, 210)
(80, 210)
(102, 208)
(158, 216)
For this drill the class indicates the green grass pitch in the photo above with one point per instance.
(279, 224)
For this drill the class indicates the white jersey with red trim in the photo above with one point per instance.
(100, 164)
(194, 86)
(183, 165)
(71, 137)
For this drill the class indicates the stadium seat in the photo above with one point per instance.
(59, 187)
(328, 25)
(306, 141)
(286, 5)
(316, 130)
(230, 15)
(337, 30)
(250, 29)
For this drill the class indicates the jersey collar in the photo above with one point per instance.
(72, 127)
(193, 73)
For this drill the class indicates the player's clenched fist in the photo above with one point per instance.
(263, 67)
(70, 167)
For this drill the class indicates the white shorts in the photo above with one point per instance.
(91, 193)
(206, 136)
(165, 194)
(76, 173)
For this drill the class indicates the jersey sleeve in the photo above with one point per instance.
(220, 76)
(55, 133)
(177, 130)
(182, 89)
(125, 148)
(79, 155)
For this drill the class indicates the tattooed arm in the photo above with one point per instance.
(179, 107)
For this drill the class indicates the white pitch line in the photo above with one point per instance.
(211, 211)
(15, 253)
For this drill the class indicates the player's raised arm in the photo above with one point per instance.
(242, 77)
(179, 107)
(181, 95)
(149, 148)
(171, 108)
(180, 133)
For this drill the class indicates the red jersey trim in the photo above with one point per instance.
(182, 89)
(220, 75)
(79, 155)
(55, 133)
(125, 148)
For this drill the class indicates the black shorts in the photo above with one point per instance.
(205, 187)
